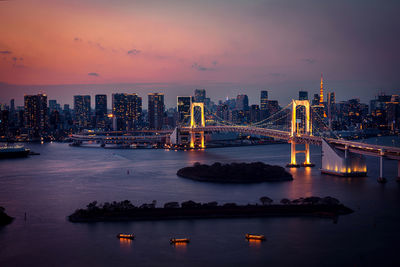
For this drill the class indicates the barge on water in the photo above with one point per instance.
(9, 152)
(179, 240)
(255, 237)
(126, 236)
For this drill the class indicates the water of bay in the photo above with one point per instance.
(52, 185)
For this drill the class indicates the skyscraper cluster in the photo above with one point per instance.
(42, 118)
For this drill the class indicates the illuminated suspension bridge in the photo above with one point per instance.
(339, 157)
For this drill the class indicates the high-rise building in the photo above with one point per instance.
(273, 107)
(183, 106)
(101, 110)
(54, 120)
(35, 114)
(12, 105)
(52, 105)
(321, 92)
(264, 100)
(242, 102)
(4, 122)
(331, 107)
(134, 109)
(156, 110)
(127, 111)
(331, 98)
(200, 95)
(82, 111)
(303, 95)
(13, 114)
(68, 122)
(119, 105)
(317, 118)
(385, 112)
(393, 114)
(223, 112)
(66, 108)
(254, 113)
(230, 102)
(315, 100)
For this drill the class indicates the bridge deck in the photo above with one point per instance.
(355, 147)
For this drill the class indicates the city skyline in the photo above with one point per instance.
(199, 132)
(171, 100)
(227, 47)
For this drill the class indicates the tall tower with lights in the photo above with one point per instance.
(321, 92)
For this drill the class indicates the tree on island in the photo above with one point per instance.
(266, 200)
(330, 201)
(124, 210)
(92, 205)
(171, 205)
(285, 201)
(312, 200)
(190, 204)
(254, 172)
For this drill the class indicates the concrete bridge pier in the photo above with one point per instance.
(398, 171)
(307, 162)
(381, 179)
(293, 163)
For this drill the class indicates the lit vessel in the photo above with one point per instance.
(179, 240)
(126, 236)
(255, 237)
(13, 152)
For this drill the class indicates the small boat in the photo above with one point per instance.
(255, 237)
(126, 236)
(179, 240)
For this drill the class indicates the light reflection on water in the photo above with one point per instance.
(253, 243)
(125, 243)
(180, 247)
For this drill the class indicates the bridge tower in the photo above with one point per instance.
(294, 133)
(194, 125)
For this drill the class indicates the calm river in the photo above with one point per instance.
(50, 186)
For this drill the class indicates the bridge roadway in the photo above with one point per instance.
(356, 147)
(112, 139)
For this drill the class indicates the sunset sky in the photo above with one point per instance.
(225, 46)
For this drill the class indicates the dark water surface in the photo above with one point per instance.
(52, 185)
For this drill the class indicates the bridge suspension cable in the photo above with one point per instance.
(322, 121)
(270, 123)
(259, 124)
(222, 121)
(271, 116)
